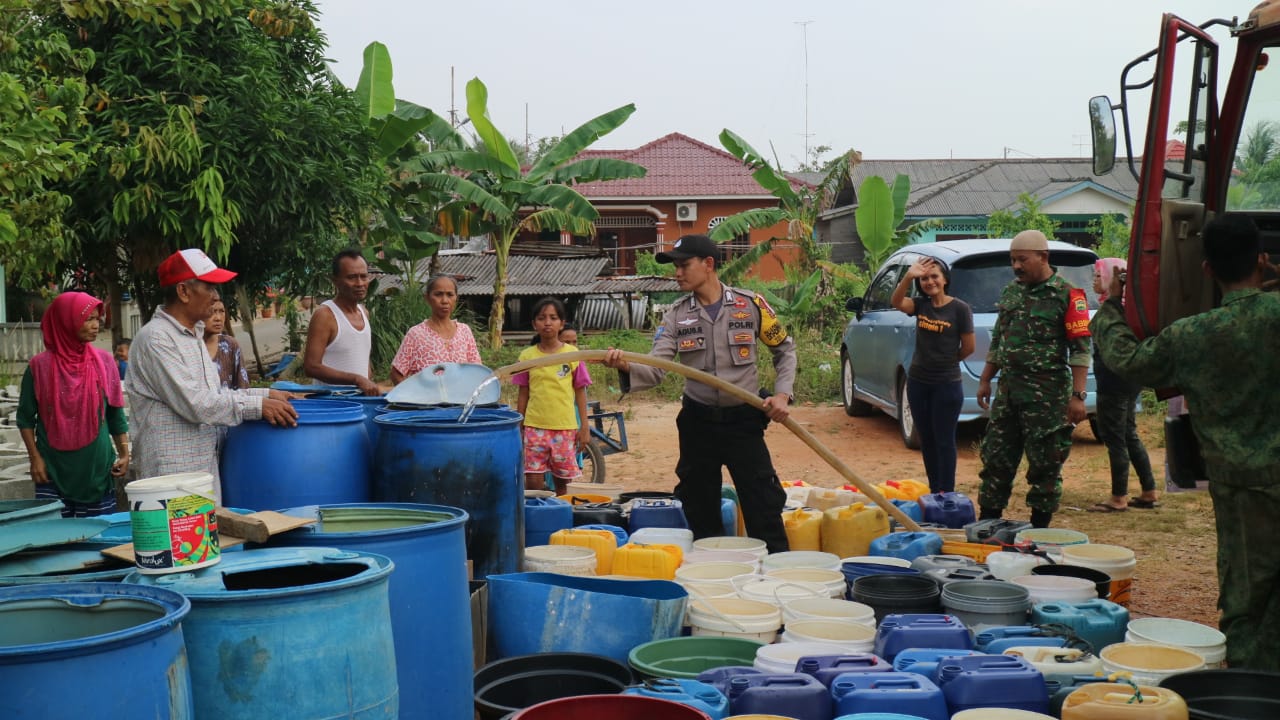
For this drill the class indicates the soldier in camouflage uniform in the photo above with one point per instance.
(716, 329)
(1040, 347)
(1225, 362)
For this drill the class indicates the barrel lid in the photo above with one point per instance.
(447, 383)
(15, 537)
(211, 582)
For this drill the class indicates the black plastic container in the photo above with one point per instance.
(598, 514)
(507, 685)
(1099, 578)
(1228, 694)
(905, 594)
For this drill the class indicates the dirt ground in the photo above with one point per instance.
(1174, 542)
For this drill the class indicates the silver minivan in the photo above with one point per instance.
(879, 340)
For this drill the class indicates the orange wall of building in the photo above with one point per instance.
(769, 268)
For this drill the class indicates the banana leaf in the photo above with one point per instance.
(495, 143)
(580, 139)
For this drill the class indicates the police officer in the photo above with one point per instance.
(1224, 361)
(715, 328)
(1040, 347)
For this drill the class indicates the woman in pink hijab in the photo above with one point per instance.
(1117, 419)
(71, 411)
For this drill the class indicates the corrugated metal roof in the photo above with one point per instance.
(526, 275)
(941, 188)
(635, 284)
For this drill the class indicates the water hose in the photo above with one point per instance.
(504, 373)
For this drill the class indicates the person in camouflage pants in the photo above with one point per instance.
(1225, 362)
(1040, 347)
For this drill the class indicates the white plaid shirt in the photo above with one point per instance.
(176, 400)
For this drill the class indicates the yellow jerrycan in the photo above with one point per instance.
(848, 531)
(648, 561)
(804, 528)
(602, 542)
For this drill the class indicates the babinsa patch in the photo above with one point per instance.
(771, 331)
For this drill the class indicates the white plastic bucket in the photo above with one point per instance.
(563, 559)
(733, 542)
(1009, 565)
(735, 617)
(1058, 661)
(1117, 561)
(833, 580)
(680, 537)
(711, 571)
(782, 657)
(174, 524)
(801, 559)
(583, 488)
(878, 560)
(828, 609)
(1057, 588)
(854, 638)
(695, 557)
(708, 588)
(776, 592)
(1000, 714)
(1051, 540)
(1200, 639)
(1149, 663)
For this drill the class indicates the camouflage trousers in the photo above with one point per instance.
(1248, 566)
(1041, 431)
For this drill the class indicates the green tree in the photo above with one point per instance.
(42, 96)
(1112, 231)
(798, 207)
(213, 123)
(508, 198)
(1028, 216)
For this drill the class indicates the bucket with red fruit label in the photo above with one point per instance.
(174, 525)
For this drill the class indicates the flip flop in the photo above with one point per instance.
(1105, 508)
(1143, 504)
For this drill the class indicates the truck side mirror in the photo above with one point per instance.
(1102, 125)
(854, 305)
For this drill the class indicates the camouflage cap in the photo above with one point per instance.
(1029, 240)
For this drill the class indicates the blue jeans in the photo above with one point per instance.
(936, 409)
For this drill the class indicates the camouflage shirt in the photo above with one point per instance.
(1225, 363)
(1029, 342)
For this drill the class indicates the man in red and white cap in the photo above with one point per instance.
(176, 399)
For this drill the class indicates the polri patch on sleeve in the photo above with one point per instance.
(658, 333)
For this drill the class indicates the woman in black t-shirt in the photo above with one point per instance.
(944, 337)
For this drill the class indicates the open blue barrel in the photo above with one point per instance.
(430, 600)
(299, 633)
(548, 612)
(427, 456)
(323, 461)
(85, 650)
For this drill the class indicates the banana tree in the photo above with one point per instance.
(508, 199)
(798, 207)
(881, 209)
(410, 225)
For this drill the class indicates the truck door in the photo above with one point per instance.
(1165, 279)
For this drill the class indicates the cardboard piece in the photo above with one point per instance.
(261, 524)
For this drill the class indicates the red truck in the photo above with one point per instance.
(1208, 150)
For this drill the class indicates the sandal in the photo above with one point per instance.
(1105, 508)
(1143, 504)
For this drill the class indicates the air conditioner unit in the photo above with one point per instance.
(686, 212)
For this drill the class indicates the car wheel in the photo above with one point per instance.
(852, 406)
(906, 422)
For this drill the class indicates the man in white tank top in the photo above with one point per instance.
(339, 338)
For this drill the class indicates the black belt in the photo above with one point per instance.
(713, 413)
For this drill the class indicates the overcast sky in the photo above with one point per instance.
(895, 79)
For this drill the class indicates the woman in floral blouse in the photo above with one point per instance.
(437, 339)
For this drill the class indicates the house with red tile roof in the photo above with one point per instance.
(689, 188)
